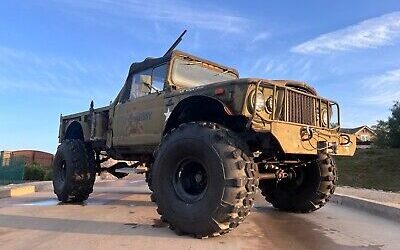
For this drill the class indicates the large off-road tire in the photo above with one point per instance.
(203, 180)
(74, 171)
(148, 179)
(310, 190)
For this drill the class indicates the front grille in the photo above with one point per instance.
(300, 108)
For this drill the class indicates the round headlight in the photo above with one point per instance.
(268, 105)
(258, 101)
(324, 117)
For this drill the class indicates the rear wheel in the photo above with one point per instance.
(309, 189)
(74, 171)
(202, 179)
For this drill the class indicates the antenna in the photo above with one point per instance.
(177, 41)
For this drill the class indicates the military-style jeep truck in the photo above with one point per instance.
(206, 140)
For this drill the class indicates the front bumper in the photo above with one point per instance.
(302, 139)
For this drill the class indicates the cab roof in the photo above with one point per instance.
(151, 62)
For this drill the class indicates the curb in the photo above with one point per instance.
(369, 206)
(23, 189)
(17, 191)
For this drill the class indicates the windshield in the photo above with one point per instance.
(191, 73)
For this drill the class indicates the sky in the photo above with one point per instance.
(58, 55)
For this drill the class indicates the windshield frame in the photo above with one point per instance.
(218, 69)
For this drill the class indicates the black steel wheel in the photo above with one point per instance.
(190, 180)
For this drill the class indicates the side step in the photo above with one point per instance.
(122, 169)
(131, 170)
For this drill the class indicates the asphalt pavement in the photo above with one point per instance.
(120, 215)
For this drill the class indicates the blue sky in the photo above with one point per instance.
(57, 55)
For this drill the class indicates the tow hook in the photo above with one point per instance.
(327, 147)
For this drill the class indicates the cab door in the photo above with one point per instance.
(140, 120)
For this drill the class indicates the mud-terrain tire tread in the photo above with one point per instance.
(326, 187)
(230, 212)
(80, 173)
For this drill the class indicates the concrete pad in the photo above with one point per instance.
(120, 215)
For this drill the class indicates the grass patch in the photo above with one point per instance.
(38, 173)
(371, 168)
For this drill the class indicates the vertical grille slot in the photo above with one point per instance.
(301, 108)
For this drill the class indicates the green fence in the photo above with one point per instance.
(12, 173)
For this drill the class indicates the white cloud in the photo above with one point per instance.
(385, 98)
(371, 33)
(283, 67)
(261, 37)
(389, 78)
(382, 89)
(169, 11)
(15, 56)
(256, 41)
(22, 70)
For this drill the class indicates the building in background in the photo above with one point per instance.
(365, 135)
(5, 157)
(27, 156)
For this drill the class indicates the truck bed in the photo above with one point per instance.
(94, 124)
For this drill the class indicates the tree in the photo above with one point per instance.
(394, 126)
(388, 132)
(382, 134)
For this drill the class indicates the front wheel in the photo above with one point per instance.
(203, 180)
(309, 189)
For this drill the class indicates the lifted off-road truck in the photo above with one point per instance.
(206, 140)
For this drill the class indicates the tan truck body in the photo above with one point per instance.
(130, 127)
